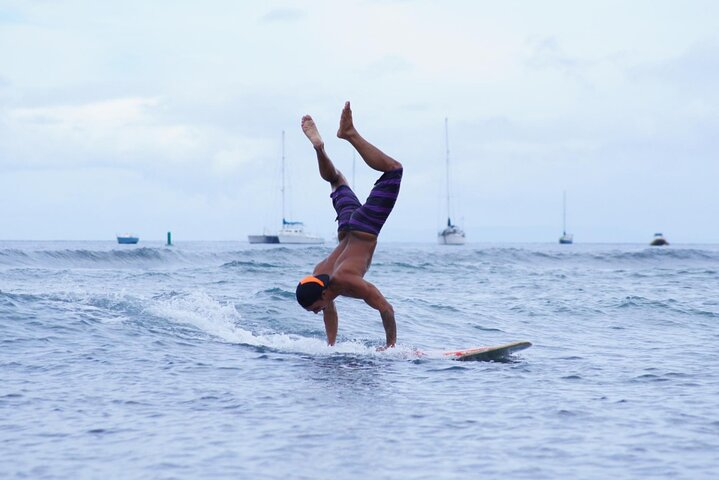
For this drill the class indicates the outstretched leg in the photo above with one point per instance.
(328, 171)
(372, 155)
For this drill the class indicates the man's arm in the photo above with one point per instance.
(390, 326)
(374, 298)
(330, 317)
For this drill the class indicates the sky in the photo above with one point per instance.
(148, 117)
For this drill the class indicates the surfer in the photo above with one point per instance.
(342, 272)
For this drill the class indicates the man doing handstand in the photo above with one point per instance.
(342, 272)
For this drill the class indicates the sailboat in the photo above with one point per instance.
(452, 234)
(265, 236)
(292, 232)
(566, 238)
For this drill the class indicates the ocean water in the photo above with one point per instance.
(195, 362)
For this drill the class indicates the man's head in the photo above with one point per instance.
(310, 292)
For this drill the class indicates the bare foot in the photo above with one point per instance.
(310, 129)
(347, 128)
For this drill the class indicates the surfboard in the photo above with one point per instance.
(485, 354)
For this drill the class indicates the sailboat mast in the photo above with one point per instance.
(283, 177)
(446, 143)
(564, 212)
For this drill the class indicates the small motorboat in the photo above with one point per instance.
(127, 239)
(658, 240)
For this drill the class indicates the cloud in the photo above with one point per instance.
(547, 53)
(282, 15)
(389, 65)
(233, 157)
(124, 130)
(8, 16)
(693, 72)
(103, 114)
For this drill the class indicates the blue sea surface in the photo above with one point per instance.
(121, 361)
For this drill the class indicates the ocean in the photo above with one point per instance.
(194, 361)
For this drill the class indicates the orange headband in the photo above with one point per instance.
(312, 279)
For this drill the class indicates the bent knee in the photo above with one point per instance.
(338, 181)
(395, 165)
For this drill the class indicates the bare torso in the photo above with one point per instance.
(349, 261)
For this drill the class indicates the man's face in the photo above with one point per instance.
(318, 306)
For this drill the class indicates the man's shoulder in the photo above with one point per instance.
(347, 283)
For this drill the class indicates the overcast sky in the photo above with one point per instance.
(145, 117)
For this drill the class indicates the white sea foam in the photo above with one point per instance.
(223, 321)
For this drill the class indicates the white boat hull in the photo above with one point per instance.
(293, 238)
(451, 238)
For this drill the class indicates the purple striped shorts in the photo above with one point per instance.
(370, 217)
